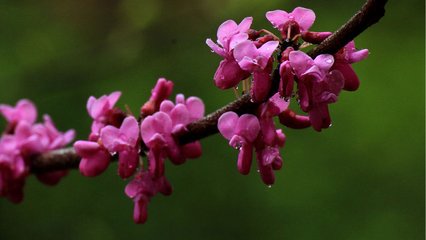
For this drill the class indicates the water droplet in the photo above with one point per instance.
(212, 51)
(236, 88)
(269, 186)
(286, 99)
(329, 61)
(257, 170)
(251, 100)
(330, 125)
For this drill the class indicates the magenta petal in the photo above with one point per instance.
(192, 150)
(267, 127)
(167, 106)
(160, 122)
(266, 171)
(351, 79)
(195, 107)
(358, 56)
(51, 178)
(277, 18)
(324, 61)
(248, 127)
(127, 163)
(110, 137)
(225, 30)
(287, 80)
(267, 49)
(140, 212)
(227, 123)
(261, 86)
(304, 17)
(245, 24)
(130, 129)
(215, 48)
(237, 39)
(179, 115)
(300, 62)
(229, 74)
(245, 158)
(113, 98)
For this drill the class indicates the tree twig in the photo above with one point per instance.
(370, 13)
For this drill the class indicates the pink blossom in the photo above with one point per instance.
(259, 62)
(94, 158)
(24, 110)
(299, 20)
(344, 58)
(101, 110)
(229, 35)
(13, 169)
(123, 141)
(141, 189)
(317, 86)
(290, 119)
(157, 130)
(159, 93)
(241, 133)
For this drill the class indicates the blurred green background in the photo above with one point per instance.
(361, 179)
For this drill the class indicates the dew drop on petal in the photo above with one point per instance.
(269, 186)
(330, 125)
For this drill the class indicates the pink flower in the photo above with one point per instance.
(159, 93)
(157, 130)
(141, 189)
(229, 34)
(102, 112)
(344, 58)
(124, 141)
(241, 133)
(259, 62)
(24, 110)
(317, 86)
(299, 20)
(94, 158)
(13, 169)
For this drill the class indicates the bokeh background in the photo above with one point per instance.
(361, 179)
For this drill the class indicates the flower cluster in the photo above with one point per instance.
(116, 134)
(22, 140)
(315, 83)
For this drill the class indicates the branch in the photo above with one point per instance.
(369, 14)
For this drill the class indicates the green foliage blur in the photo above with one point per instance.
(361, 179)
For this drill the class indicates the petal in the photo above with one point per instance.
(324, 62)
(160, 123)
(167, 106)
(358, 56)
(245, 158)
(300, 62)
(130, 129)
(267, 49)
(261, 86)
(179, 115)
(304, 17)
(227, 123)
(225, 31)
(248, 127)
(351, 79)
(237, 39)
(215, 48)
(113, 98)
(195, 107)
(277, 18)
(229, 74)
(245, 24)
(110, 137)
(127, 163)
(192, 150)
(246, 49)
(27, 110)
